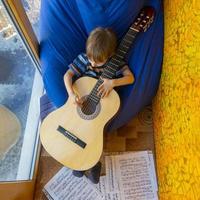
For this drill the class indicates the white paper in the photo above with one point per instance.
(111, 181)
(101, 186)
(65, 186)
(107, 195)
(131, 176)
(153, 172)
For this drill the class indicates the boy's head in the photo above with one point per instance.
(101, 45)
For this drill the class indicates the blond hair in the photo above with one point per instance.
(101, 44)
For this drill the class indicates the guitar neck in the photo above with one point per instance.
(115, 62)
(126, 44)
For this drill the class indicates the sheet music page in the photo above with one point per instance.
(112, 184)
(101, 186)
(107, 195)
(153, 172)
(65, 186)
(131, 175)
(128, 176)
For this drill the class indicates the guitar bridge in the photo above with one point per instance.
(71, 137)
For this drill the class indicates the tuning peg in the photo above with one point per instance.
(146, 27)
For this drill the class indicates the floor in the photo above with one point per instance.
(134, 136)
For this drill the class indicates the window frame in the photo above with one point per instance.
(23, 190)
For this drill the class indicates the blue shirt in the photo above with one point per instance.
(82, 67)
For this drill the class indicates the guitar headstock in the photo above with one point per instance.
(144, 19)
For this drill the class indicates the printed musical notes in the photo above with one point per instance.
(129, 176)
(65, 186)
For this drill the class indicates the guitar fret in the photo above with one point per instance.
(130, 35)
(94, 92)
(115, 60)
(121, 57)
(107, 76)
(116, 65)
(134, 29)
(109, 72)
(99, 83)
(93, 98)
(122, 51)
(129, 42)
(128, 39)
(111, 69)
(125, 46)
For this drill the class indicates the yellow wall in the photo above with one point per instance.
(177, 104)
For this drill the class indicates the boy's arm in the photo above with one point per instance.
(68, 81)
(68, 84)
(127, 78)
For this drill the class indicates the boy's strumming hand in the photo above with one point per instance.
(105, 88)
(76, 99)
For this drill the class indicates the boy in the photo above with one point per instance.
(100, 47)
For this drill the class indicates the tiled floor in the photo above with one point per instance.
(136, 135)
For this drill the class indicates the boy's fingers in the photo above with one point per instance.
(78, 103)
(107, 92)
(103, 94)
(99, 88)
(100, 92)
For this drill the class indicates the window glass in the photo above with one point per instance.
(20, 89)
(32, 8)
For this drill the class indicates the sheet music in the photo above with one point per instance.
(128, 176)
(131, 176)
(65, 186)
(107, 195)
(101, 186)
(152, 169)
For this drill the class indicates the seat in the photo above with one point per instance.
(64, 28)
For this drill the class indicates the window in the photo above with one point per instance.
(32, 8)
(20, 89)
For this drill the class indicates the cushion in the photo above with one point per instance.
(64, 28)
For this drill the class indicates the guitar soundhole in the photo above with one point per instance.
(89, 109)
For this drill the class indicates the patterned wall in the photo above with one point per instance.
(176, 108)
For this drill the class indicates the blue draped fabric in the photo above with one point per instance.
(64, 28)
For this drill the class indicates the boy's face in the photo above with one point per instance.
(96, 64)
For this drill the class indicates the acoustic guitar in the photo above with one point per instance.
(73, 135)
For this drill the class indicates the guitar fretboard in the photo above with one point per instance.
(114, 63)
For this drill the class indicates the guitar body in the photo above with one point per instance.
(88, 130)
